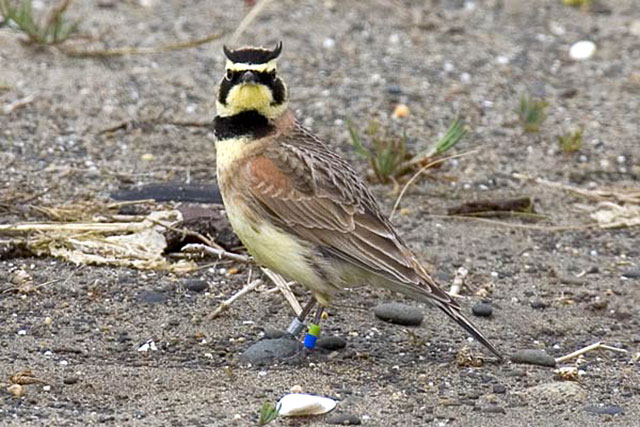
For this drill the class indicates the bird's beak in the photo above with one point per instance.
(249, 77)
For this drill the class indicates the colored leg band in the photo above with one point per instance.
(312, 336)
(295, 327)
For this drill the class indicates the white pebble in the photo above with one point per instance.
(299, 404)
(502, 59)
(22, 332)
(621, 159)
(584, 49)
(465, 77)
(63, 363)
(328, 43)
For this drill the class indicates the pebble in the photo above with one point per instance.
(16, 390)
(534, 357)
(494, 410)
(538, 305)
(331, 343)
(631, 274)
(70, 380)
(273, 333)
(344, 420)
(400, 111)
(152, 297)
(584, 49)
(634, 27)
(499, 389)
(556, 391)
(400, 314)
(482, 309)
(605, 410)
(271, 350)
(197, 285)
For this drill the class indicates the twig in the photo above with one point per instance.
(132, 50)
(18, 103)
(247, 20)
(419, 172)
(458, 281)
(599, 195)
(186, 232)
(282, 284)
(225, 304)
(594, 346)
(220, 253)
(514, 225)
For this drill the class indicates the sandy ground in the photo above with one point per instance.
(344, 61)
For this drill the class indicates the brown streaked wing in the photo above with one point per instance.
(312, 192)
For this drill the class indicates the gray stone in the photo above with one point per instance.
(197, 285)
(273, 333)
(499, 389)
(152, 297)
(344, 420)
(268, 351)
(331, 343)
(400, 314)
(556, 392)
(605, 410)
(493, 409)
(533, 357)
(482, 309)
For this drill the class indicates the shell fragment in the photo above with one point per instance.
(300, 404)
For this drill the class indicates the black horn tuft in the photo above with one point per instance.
(252, 55)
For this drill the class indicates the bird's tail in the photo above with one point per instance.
(453, 311)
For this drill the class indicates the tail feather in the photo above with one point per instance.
(454, 313)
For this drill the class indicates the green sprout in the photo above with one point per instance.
(577, 3)
(54, 30)
(268, 413)
(387, 154)
(532, 113)
(455, 133)
(571, 142)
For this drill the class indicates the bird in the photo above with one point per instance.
(298, 207)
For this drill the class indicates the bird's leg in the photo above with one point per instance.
(297, 324)
(314, 330)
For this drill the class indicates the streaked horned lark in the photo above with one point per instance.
(299, 208)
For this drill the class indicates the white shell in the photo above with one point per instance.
(299, 404)
(584, 49)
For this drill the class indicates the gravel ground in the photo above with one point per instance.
(557, 289)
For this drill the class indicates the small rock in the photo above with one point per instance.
(273, 333)
(634, 27)
(331, 343)
(556, 392)
(482, 309)
(152, 297)
(344, 420)
(400, 314)
(197, 285)
(631, 274)
(605, 410)
(584, 49)
(494, 410)
(268, 351)
(70, 380)
(16, 390)
(533, 357)
(400, 111)
(538, 305)
(499, 389)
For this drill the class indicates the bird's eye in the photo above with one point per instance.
(229, 74)
(272, 74)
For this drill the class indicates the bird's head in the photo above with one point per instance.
(251, 82)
